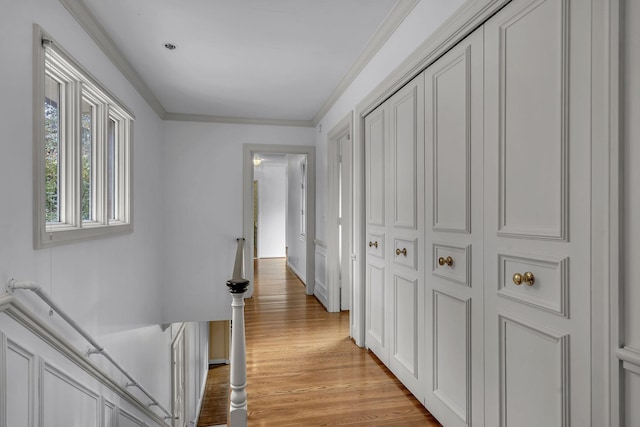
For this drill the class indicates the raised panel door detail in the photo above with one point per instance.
(405, 252)
(460, 269)
(549, 290)
(534, 374)
(19, 391)
(452, 353)
(375, 166)
(449, 125)
(533, 121)
(60, 393)
(405, 324)
(375, 245)
(375, 307)
(405, 160)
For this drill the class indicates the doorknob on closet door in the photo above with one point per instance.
(402, 251)
(528, 278)
(375, 244)
(448, 260)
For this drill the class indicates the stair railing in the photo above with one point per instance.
(13, 285)
(238, 378)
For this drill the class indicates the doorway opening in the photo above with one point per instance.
(339, 216)
(279, 210)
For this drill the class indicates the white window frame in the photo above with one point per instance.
(78, 84)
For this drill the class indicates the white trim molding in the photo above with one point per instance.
(94, 29)
(248, 152)
(397, 15)
(84, 17)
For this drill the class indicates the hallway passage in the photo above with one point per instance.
(304, 370)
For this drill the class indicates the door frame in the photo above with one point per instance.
(248, 152)
(336, 294)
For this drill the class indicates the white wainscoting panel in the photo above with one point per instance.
(19, 368)
(65, 401)
(534, 375)
(46, 382)
(452, 352)
(108, 413)
(125, 419)
(320, 289)
(631, 392)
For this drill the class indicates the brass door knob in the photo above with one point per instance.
(527, 278)
(373, 244)
(448, 260)
(402, 251)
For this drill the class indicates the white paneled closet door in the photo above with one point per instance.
(537, 214)
(376, 147)
(454, 238)
(405, 231)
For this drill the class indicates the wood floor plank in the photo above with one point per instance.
(304, 370)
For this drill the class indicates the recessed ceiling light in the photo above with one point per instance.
(170, 46)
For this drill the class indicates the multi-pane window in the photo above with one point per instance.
(83, 143)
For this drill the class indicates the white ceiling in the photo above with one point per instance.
(246, 59)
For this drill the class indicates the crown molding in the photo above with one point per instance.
(235, 120)
(400, 10)
(466, 19)
(82, 14)
(96, 31)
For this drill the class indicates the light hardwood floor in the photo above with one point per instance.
(304, 370)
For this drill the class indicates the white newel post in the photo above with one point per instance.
(238, 381)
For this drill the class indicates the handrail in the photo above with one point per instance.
(13, 285)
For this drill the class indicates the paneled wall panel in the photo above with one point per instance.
(631, 393)
(59, 390)
(125, 419)
(20, 394)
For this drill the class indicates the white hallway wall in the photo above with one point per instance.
(109, 286)
(272, 198)
(203, 211)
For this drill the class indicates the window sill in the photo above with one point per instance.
(57, 235)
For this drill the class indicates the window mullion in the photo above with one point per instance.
(73, 172)
(100, 165)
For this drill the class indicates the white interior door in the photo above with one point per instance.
(405, 232)
(454, 235)
(537, 215)
(376, 289)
